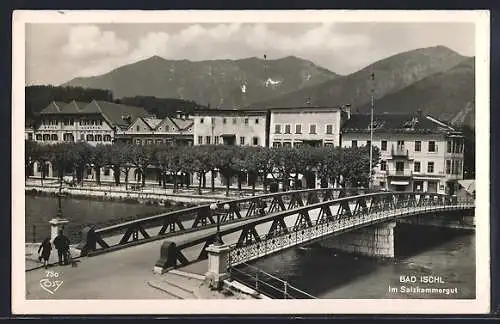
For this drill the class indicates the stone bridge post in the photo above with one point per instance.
(218, 264)
(376, 240)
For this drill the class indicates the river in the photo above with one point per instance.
(324, 273)
(80, 212)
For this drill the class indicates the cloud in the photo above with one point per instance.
(88, 41)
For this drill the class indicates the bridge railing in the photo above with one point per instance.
(333, 215)
(257, 246)
(187, 220)
(267, 284)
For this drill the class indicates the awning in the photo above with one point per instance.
(400, 183)
(228, 135)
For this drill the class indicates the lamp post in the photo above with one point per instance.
(371, 132)
(214, 208)
(59, 212)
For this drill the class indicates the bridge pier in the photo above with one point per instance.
(218, 263)
(376, 241)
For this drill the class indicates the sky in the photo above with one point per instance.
(56, 53)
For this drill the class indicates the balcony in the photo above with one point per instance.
(399, 151)
(399, 173)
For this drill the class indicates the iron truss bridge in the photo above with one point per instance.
(257, 237)
(201, 217)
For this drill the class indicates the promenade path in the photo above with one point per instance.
(124, 274)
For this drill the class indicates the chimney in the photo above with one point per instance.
(347, 109)
(179, 114)
(419, 114)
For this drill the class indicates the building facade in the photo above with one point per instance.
(315, 126)
(231, 127)
(152, 130)
(95, 122)
(417, 153)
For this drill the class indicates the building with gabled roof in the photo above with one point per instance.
(418, 153)
(152, 130)
(94, 122)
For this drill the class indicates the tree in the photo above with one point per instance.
(81, 157)
(98, 158)
(120, 159)
(201, 161)
(61, 157)
(224, 162)
(30, 151)
(141, 157)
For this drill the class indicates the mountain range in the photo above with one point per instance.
(215, 83)
(435, 79)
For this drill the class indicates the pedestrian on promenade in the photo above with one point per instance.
(61, 242)
(45, 248)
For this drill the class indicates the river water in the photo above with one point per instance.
(322, 272)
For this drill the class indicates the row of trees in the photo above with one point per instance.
(348, 166)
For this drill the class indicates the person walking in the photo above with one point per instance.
(45, 248)
(61, 242)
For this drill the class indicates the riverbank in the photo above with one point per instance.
(150, 194)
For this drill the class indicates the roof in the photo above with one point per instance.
(468, 185)
(405, 123)
(182, 123)
(55, 107)
(152, 122)
(115, 114)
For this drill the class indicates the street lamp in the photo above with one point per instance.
(59, 212)
(213, 208)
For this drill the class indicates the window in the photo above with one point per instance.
(328, 144)
(368, 143)
(354, 143)
(255, 141)
(98, 138)
(149, 141)
(46, 137)
(448, 146)
(383, 165)
(384, 146)
(90, 137)
(298, 129)
(234, 121)
(246, 121)
(207, 139)
(430, 167)
(216, 140)
(106, 171)
(401, 145)
(138, 141)
(200, 140)
(287, 144)
(277, 129)
(297, 144)
(329, 129)
(287, 129)
(100, 122)
(312, 129)
(224, 120)
(202, 120)
(276, 144)
(137, 128)
(416, 166)
(38, 137)
(418, 146)
(54, 137)
(107, 138)
(159, 141)
(256, 120)
(30, 136)
(432, 146)
(448, 166)
(242, 140)
(68, 137)
(400, 166)
(82, 137)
